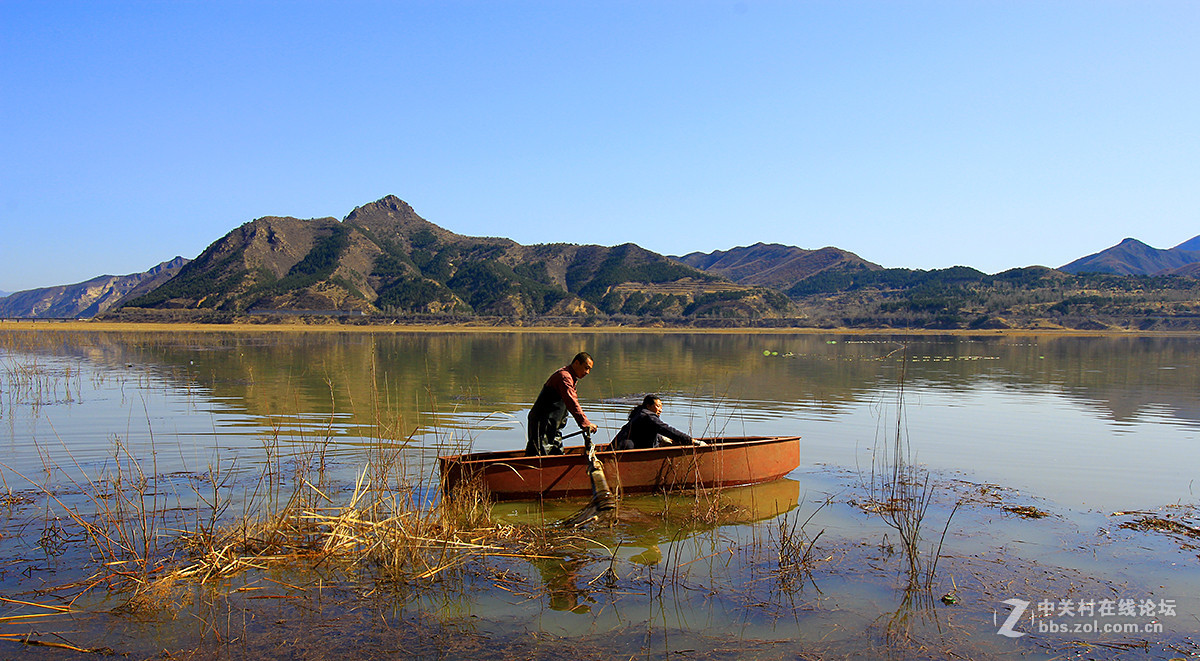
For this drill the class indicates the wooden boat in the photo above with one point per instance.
(724, 462)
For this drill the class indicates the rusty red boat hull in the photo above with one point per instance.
(724, 462)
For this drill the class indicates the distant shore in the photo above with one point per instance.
(55, 325)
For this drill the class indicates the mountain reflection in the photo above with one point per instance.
(407, 381)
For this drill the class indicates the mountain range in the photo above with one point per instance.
(89, 298)
(774, 265)
(1132, 257)
(383, 259)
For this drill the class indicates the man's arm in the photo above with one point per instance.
(565, 385)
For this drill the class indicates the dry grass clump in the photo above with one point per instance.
(378, 530)
(146, 542)
(161, 595)
(1027, 511)
(1160, 524)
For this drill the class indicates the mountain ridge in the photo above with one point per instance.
(775, 265)
(385, 260)
(87, 298)
(384, 257)
(1133, 257)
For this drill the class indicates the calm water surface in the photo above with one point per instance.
(1078, 426)
(1088, 423)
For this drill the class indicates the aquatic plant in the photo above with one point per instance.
(901, 492)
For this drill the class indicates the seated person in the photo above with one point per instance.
(646, 430)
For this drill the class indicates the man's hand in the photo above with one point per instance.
(591, 429)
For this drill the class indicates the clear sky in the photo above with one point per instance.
(915, 134)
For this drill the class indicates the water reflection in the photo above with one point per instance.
(267, 372)
(449, 390)
(1087, 422)
(647, 531)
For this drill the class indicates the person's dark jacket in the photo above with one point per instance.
(643, 430)
(549, 413)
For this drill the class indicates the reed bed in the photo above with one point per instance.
(147, 539)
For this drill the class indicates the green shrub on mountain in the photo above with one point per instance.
(410, 294)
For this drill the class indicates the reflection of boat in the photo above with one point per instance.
(731, 506)
(724, 462)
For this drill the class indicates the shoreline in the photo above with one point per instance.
(49, 325)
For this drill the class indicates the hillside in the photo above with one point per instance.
(775, 265)
(89, 298)
(385, 263)
(1188, 270)
(1191, 245)
(1035, 297)
(1132, 257)
(383, 258)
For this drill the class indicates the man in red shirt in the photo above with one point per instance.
(557, 398)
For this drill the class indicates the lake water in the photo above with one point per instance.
(1087, 422)
(1078, 426)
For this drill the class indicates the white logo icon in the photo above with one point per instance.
(1018, 608)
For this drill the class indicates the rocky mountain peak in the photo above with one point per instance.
(1132, 257)
(392, 219)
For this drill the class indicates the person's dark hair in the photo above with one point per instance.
(582, 357)
(647, 402)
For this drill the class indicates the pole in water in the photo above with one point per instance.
(602, 497)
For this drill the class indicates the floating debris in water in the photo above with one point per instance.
(1027, 511)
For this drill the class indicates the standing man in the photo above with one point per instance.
(549, 413)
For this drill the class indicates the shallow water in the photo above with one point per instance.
(1078, 426)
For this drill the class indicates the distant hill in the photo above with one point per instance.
(387, 264)
(1192, 244)
(86, 299)
(775, 265)
(1188, 270)
(384, 258)
(1132, 257)
(1034, 297)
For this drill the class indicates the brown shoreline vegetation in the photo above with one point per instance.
(379, 546)
(328, 326)
(375, 540)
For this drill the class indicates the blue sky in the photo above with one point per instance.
(915, 134)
